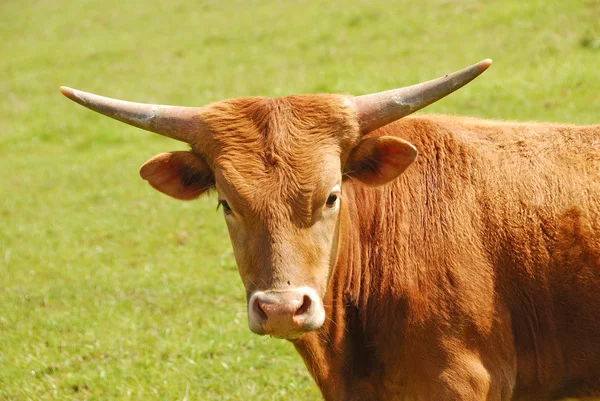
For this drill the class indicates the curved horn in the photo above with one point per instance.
(181, 123)
(378, 109)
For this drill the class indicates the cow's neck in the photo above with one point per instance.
(337, 355)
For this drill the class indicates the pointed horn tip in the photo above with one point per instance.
(68, 92)
(484, 64)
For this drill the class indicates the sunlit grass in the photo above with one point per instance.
(110, 290)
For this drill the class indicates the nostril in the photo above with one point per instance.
(259, 311)
(306, 302)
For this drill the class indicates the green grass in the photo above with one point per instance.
(110, 290)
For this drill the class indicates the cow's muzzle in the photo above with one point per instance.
(285, 313)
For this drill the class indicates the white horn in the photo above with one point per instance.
(181, 123)
(379, 109)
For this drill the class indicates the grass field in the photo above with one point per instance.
(111, 290)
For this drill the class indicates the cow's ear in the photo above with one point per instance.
(378, 160)
(182, 175)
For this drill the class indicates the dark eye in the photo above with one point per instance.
(226, 207)
(331, 200)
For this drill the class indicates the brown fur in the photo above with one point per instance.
(473, 276)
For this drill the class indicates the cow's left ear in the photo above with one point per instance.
(182, 175)
(378, 160)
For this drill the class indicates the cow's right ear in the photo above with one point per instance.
(182, 175)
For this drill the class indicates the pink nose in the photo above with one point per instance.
(282, 309)
(284, 313)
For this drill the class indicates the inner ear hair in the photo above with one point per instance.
(182, 175)
(378, 160)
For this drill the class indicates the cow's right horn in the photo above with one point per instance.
(181, 123)
(379, 109)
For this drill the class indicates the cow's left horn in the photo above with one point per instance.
(378, 109)
(181, 123)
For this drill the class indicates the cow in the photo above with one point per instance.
(472, 275)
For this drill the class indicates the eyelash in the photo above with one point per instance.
(225, 205)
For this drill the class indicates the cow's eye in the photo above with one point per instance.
(331, 200)
(226, 207)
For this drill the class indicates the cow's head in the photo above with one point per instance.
(277, 166)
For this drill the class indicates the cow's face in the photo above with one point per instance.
(284, 234)
(278, 167)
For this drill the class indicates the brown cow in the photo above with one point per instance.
(473, 276)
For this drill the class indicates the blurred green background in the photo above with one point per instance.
(111, 290)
